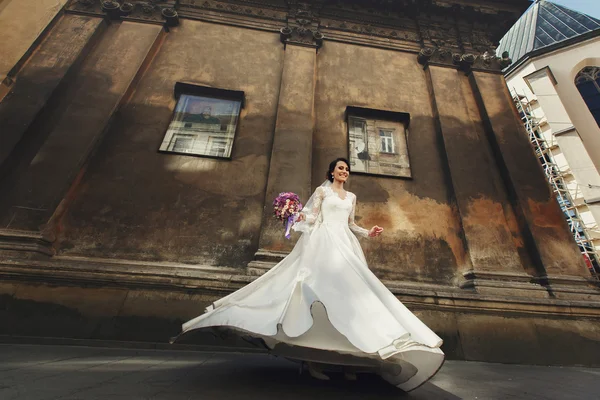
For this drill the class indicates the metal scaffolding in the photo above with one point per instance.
(555, 177)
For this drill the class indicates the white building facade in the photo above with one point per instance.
(554, 80)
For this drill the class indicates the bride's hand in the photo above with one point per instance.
(375, 231)
(300, 217)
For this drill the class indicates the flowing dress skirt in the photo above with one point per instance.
(322, 303)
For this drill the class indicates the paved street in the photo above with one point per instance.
(34, 372)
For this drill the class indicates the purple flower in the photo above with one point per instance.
(285, 207)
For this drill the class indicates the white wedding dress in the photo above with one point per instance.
(321, 303)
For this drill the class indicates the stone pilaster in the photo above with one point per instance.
(40, 77)
(291, 156)
(552, 248)
(76, 124)
(486, 216)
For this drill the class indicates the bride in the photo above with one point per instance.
(323, 306)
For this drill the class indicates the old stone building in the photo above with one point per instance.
(142, 144)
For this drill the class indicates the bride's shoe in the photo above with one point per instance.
(316, 374)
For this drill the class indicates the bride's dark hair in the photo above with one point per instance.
(332, 167)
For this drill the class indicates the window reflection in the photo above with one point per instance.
(378, 146)
(202, 126)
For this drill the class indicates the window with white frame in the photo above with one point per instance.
(387, 140)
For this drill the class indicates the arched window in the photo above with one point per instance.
(588, 83)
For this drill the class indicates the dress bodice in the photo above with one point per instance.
(336, 209)
(328, 208)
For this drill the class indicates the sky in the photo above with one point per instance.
(589, 7)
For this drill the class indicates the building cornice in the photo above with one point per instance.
(466, 28)
(148, 11)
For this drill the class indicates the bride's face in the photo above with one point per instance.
(341, 172)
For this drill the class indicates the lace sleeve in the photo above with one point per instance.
(312, 214)
(352, 225)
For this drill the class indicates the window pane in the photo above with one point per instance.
(586, 81)
(378, 146)
(587, 88)
(217, 146)
(182, 144)
(387, 140)
(202, 126)
(596, 114)
(592, 99)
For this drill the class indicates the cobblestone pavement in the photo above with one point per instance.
(50, 372)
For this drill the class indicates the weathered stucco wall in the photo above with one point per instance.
(75, 122)
(21, 23)
(102, 236)
(168, 207)
(422, 232)
(65, 46)
(136, 203)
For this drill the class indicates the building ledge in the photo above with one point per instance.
(565, 130)
(489, 293)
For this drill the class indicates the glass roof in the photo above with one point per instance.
(542, 25)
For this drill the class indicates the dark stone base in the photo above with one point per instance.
(91, 300)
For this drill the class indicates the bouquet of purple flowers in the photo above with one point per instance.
(286, 207)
